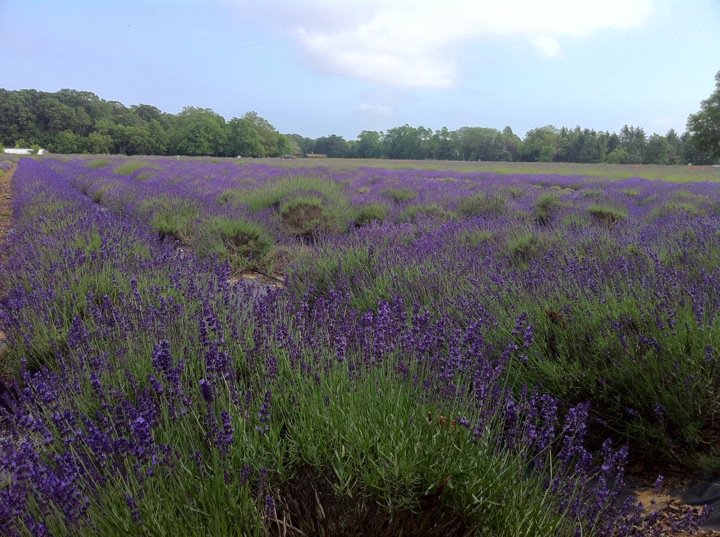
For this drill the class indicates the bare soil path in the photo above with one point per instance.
(5, 224)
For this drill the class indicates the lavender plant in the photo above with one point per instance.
(148, 394)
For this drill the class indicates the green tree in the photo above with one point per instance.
(369, 145)
(199, 131)
(17, 118)
(704, 128)
(619, 156)
(333, 146)
(445, 145)
(300, 145)
(512, 143)
(404, 142)
(676, 151)
(99, 143)
(633, 141)
(656, 150)
(479, 143)
(66, 142)
(254, 136)
(540, 144)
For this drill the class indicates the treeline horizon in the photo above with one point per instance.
(72, 121)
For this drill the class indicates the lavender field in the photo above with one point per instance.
(424, 351)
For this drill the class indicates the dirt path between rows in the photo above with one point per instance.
(5, 224)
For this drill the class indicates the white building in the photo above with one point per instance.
(22, 151)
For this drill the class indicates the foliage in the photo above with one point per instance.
(704, 127)
(607, 215)
(480, 204)
(70, 121)
(244, 244)
(127, 168)
(172, 217)
(433, 211)
(545, 208)
(371, 212)
(400, 195)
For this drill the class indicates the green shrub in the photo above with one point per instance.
(130, 167)
(474, 237)
(522, 247)
(97, 163)
(607, 215)
(99, 196)
(330, 267)
(480, 204)
(233, 196)
(144, 175)
(514, 192)
(244, 244)
(173, 217)
(414, 213)
(274, 194)
(545, 208)
(371, 212)
(305, 216)
(650, 386)
(305, 205)
(675, 208)
(371, 442)
(399, 195)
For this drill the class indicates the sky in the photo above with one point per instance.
(321, 67)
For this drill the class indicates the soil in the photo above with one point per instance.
(5, 223)
(5, 208)
(260, 281)
(669, 501)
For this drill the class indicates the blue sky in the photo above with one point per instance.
(320, 67)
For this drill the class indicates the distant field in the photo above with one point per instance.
(609, 171)
(199, 346)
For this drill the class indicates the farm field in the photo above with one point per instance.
(247, 347)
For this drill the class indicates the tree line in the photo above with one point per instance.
(70, 121)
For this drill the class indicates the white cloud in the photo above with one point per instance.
(376, 109)
(547, 47)
(411, 43)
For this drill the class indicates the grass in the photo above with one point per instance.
(391, 452)
(607, 215)
(432, 211)
(129, 167)
(480, 204)
(173, 217)
(244, 244)
(674, 174)
(305, 206)
(546, 206)
(97, 163)
(522, 246)
(371, 212)
(273, 194)
(400, 195)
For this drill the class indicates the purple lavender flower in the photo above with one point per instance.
(206, 388)
(264, 413)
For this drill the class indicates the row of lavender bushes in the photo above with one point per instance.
(147, 395)
(618, 279)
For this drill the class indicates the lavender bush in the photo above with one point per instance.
(410, 366)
